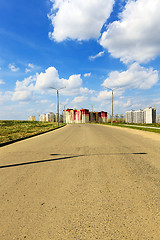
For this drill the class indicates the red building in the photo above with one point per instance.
(83, 116)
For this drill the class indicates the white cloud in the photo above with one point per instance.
(1, 81)
(30, 67)
(65, 103)
(44, 101)
(102, 96)
(136, 36)
(135, 77)
(127, 104)
(49, 78)
(100, 54)
(79, 99)
(23, 95)
(79, 19)
(26, 84)
(24, 89)
(43, 82)
(87, 74)
(13, 68)
(72, 85)
(27, 70)
(86, 91)
(5, 97)
(52, 105)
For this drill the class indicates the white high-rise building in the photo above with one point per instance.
(47, 117)
(158, 118)
(139, 116)
(42, 117)
(50, 117)
(129, 116)
(150, 115)
(32, 118)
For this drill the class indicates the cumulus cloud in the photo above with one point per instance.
(43, 82)
(63, 104)
(50, 78)
(100, 54)
(23, 96)
(127, 104)
(13, 68)
(79, 19)
(86, 91)
(5, 97)
(135, 77)
(30, 67)
(136, 36)
(27, 70)
(24, 89)
(102, 96)
(87, 74)
(44, 101)
(1, 81)
(72, 85)
(79, 99)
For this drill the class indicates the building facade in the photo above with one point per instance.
(47, 117)
(158, 118)
(32, 118)
(148, 115)
(83, 116)
(50, 117)
(42, 117)
(129, 116)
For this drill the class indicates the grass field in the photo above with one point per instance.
(12, 130)
(143, 127)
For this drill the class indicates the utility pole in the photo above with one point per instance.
(57, 102)
(112, 89)
(65, 113)
(58, 107)
(92, 113)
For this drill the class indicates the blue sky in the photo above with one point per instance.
(84, 45)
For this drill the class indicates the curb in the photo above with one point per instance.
(33, 135)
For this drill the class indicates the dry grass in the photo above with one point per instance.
(12, 130)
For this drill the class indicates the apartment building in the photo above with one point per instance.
(148, 115)
(158, 118)
(47, 117)
(42, 117)
(129, 116)
(83, 116)
(50, 117)
(32, 118)
(139, 116)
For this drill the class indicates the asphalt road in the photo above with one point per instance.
(81, 182)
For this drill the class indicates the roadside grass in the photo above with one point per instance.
(13, 130)
(143, 127)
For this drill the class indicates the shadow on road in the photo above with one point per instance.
(103, 154)
(63, 158)
(41, 161)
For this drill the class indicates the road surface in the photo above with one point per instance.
(82, 181)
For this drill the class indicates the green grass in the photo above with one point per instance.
(157, 125)
(12, 130)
